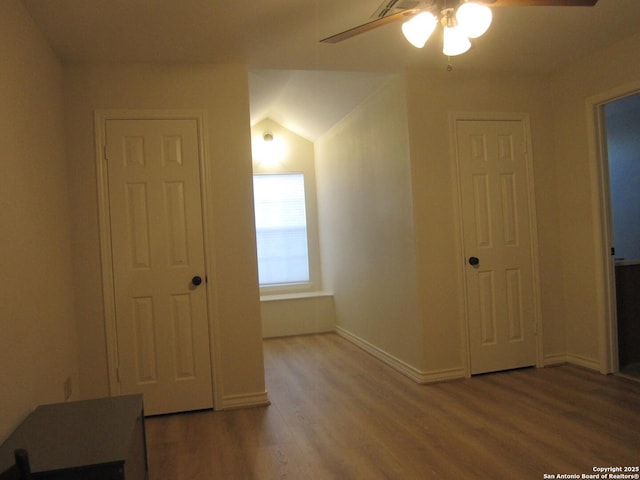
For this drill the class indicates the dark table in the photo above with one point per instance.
(102, 439)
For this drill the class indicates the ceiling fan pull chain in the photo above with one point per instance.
(449, 66)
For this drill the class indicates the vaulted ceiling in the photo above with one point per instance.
(274, 35)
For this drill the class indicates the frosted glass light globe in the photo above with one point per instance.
(474, 19)
(418, 29)
(455, 41)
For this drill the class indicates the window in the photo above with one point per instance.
(281, 229)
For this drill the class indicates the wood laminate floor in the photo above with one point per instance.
(338, 413)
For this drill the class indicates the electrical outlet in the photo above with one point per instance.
(68, 388)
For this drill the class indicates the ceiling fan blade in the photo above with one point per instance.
(352, 32)
(541, 3)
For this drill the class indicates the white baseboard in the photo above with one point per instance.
(401, 366)
(258, 399)
(573, 359)
(556, 359)
(583, 362)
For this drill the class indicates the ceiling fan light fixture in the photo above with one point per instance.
(455, 41)
(419, 28)
(461, 19)
(474, 19)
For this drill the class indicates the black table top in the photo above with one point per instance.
(72, 434)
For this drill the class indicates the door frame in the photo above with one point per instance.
(108, 289)
(454, 117)
(607, 321)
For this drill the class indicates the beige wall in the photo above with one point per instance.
(37, 329)
(301, 314)
(432, 97)
(222, 92)
(604, 71)
(389, 235)
(366, 226)
(351, 162)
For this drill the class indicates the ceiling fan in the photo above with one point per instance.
(461, 19)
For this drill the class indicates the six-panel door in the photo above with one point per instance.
(497, 232)
(157, 249)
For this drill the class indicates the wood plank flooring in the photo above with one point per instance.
(338, 413)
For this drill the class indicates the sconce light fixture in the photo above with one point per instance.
(269, 149)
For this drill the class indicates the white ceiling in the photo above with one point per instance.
(272, 35)
(309, 102)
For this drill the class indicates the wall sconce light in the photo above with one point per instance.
(269, 149)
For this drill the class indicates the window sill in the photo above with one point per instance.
(293, 296)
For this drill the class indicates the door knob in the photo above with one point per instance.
(473, 261)
(196, 280)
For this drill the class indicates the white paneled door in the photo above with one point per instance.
(497, 226)
(158, 263)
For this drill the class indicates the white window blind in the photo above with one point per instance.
(281, 228)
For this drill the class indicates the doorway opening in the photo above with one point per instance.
(604, 246)
(622, 127)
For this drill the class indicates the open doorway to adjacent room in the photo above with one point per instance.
(622, 121)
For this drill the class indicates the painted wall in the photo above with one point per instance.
(608, 69)
(301, 314)
(366, 225)
(222, 92)
(387, 218)
(37, 323)
(390, 245)
(433, 96)
(623, 143)
(565, 204)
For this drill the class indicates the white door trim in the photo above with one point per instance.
(108, 291)
(457, 189)
(607, 323)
